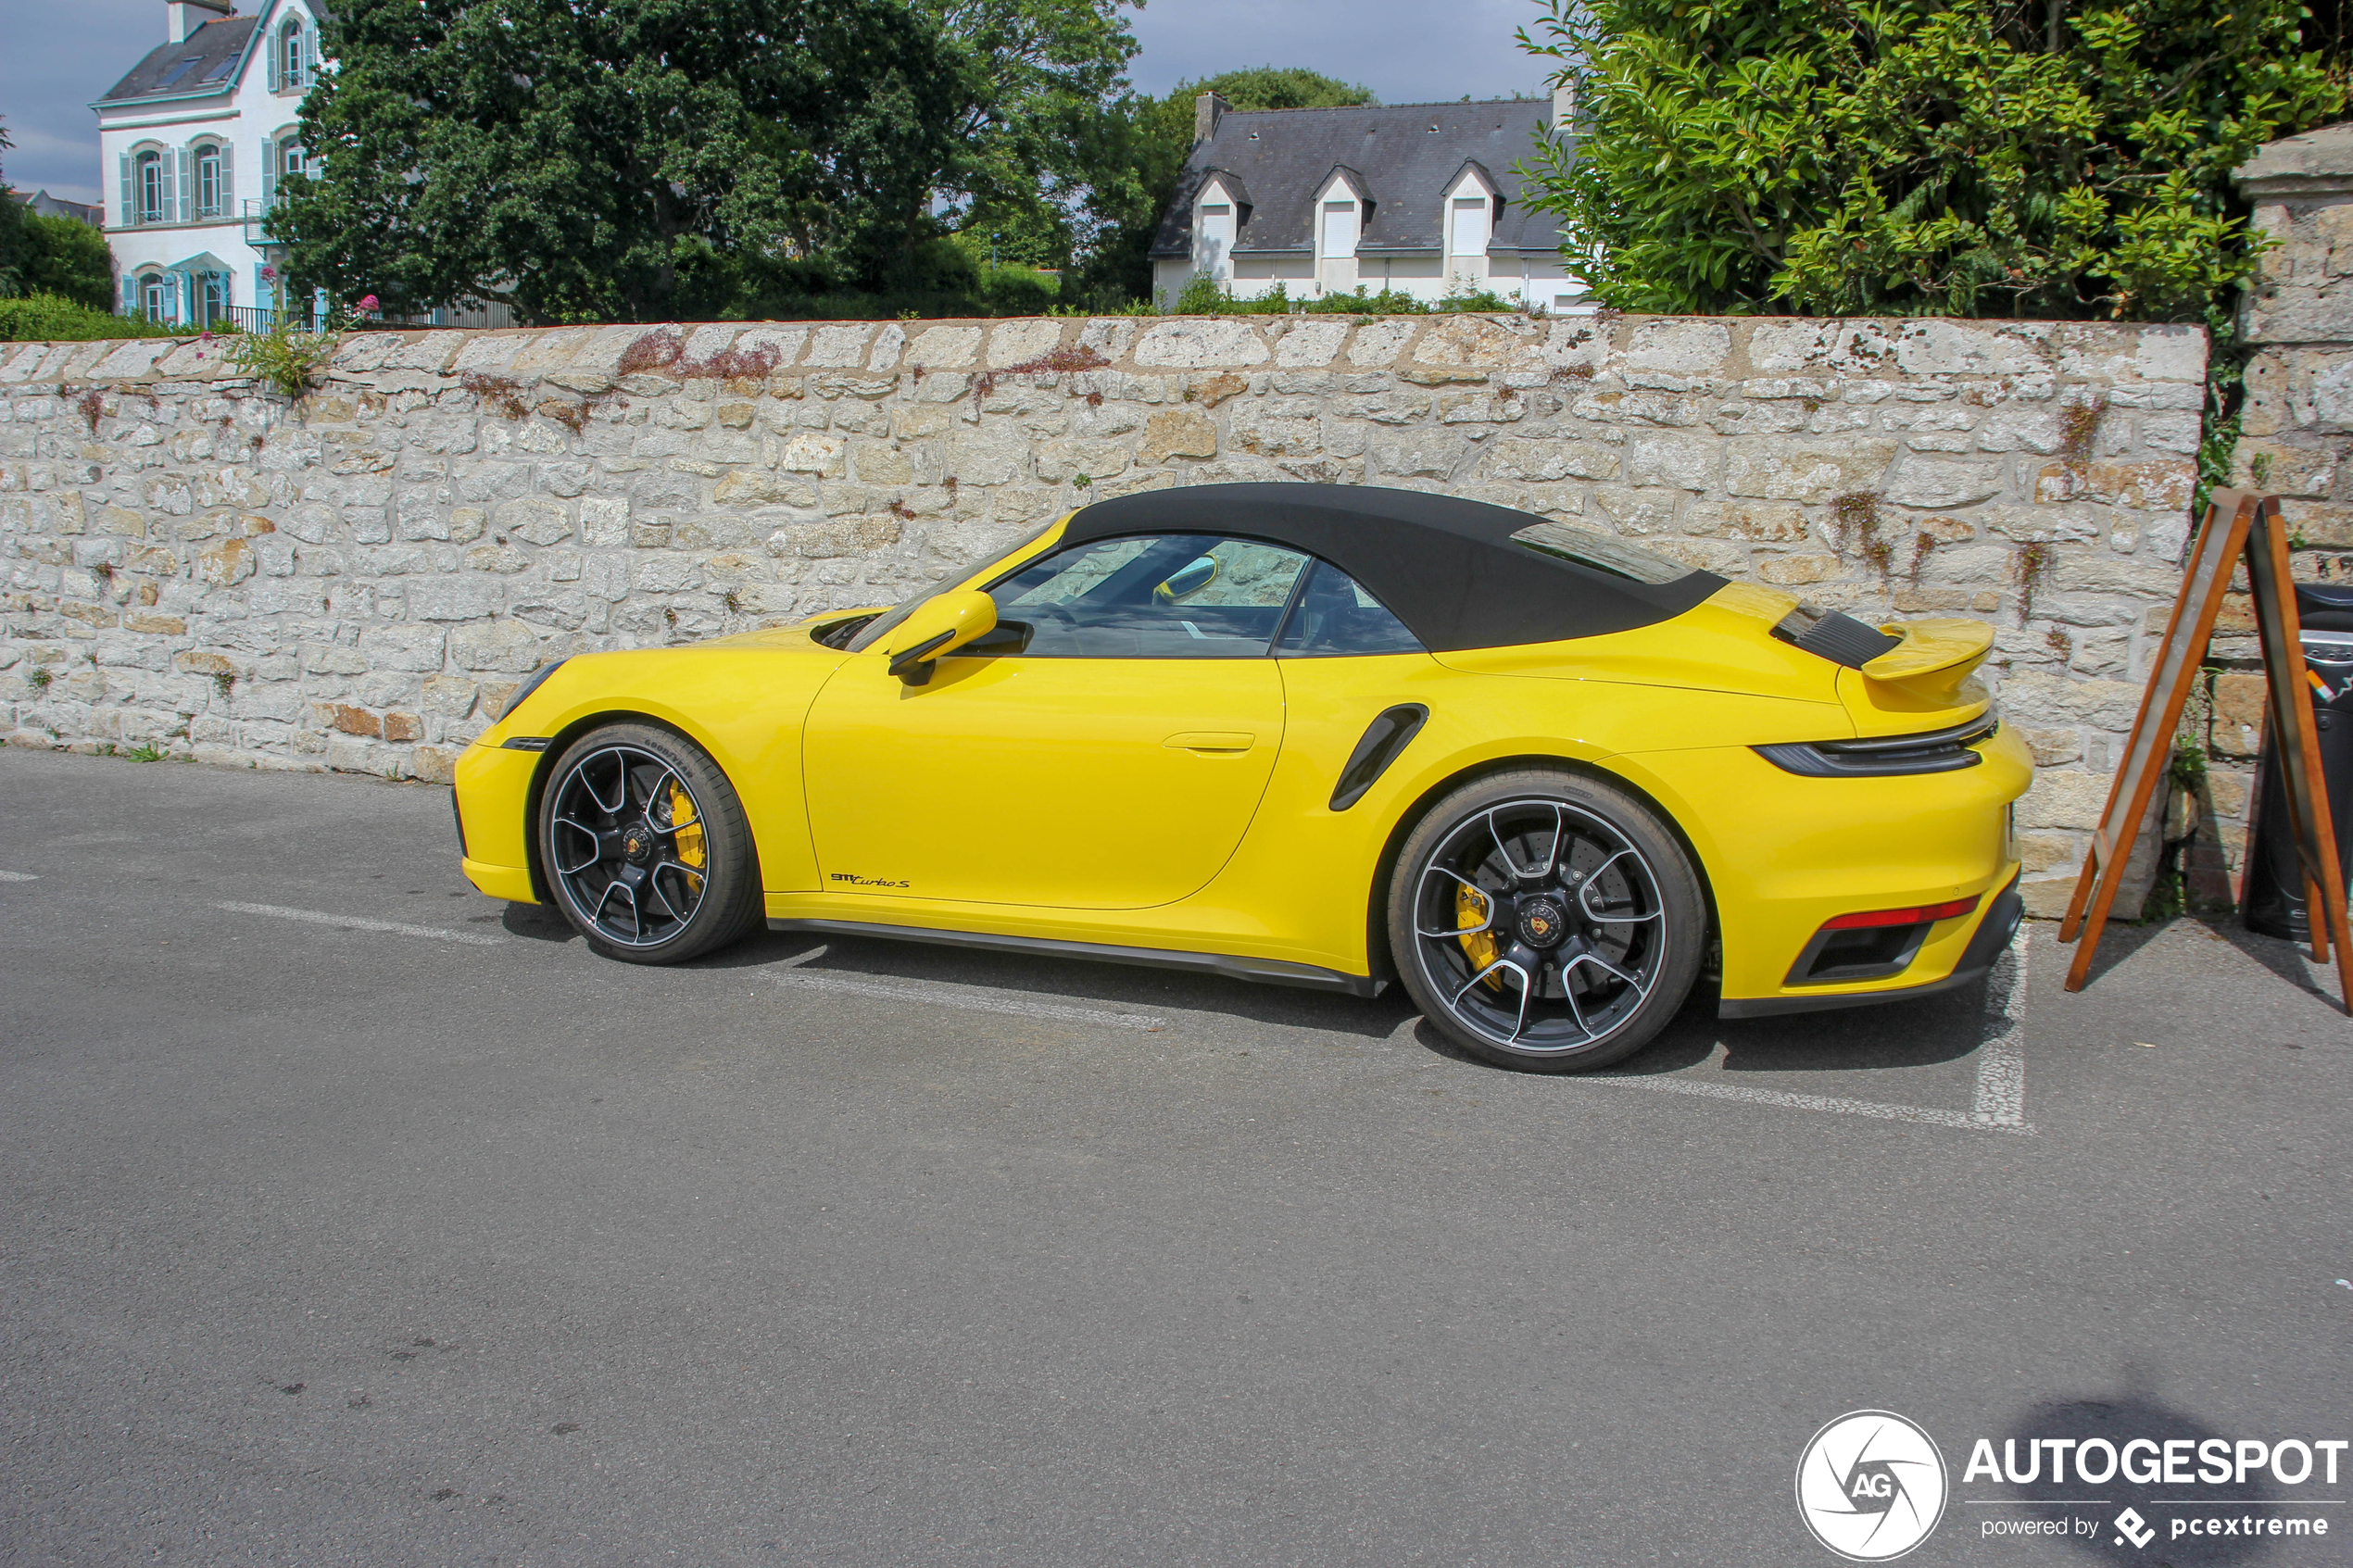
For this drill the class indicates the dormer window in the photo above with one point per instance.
(1216, 220)
(1342, 211)
(1467, 235)
(1470, 212)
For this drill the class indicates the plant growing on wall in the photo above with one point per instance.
(289, 356)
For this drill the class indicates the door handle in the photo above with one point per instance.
(1223, 743)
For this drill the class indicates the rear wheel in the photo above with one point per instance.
(1546, 921)
(647, 845)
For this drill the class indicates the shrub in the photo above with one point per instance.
(46, 318)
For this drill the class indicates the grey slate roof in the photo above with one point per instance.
(1403, 157)
(214, 47)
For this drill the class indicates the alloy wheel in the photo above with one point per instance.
(1539, 926)
(627, 846)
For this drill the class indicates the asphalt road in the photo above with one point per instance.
(433, 1238)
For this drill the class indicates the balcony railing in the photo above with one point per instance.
(257, 223)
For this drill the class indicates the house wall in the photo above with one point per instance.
(250, 120)
(357, 582)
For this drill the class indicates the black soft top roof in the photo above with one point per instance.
(1446, 567)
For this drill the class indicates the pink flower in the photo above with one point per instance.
(367, 302)
(206, 337)
(269, 274)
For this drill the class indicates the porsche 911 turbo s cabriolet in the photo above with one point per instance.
(1317, 734)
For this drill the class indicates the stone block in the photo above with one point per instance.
(1680, 347)
(1201, 343)
(1778, 470)
(507, 646)
(1685, 462)
(1176, 432)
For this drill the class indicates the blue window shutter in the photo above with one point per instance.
(228, 190)
(187, 184)
(129, 295)
(167, 176)
(130, 195)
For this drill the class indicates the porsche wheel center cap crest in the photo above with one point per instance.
(1870, 1485)
(1541, 923)
(637, 843)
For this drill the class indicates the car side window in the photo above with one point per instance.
(1334, 617)
(1172, 595)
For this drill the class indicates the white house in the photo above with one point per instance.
(194, 143)
(1415, 197)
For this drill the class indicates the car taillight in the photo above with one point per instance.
(1919, 914)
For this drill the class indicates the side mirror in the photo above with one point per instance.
(1191, 580)
(938, 627)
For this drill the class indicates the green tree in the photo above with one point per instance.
(66, 257)
(618, 159)
(12, 237)
(1141, 152)
(1974, 157)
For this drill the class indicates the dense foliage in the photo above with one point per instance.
(1976, 157)
(51, 256)
(600, 159)
(44, 317)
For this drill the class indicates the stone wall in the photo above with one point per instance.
(2296, 431)
(196, 567)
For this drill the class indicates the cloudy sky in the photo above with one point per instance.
(60, 56)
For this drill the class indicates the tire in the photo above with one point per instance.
(640, 884)
(1555, 878)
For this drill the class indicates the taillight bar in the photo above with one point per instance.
(1919, 914)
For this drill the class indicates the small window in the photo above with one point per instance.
(296, 53)
(1470, 226)
(295, 161)
(1336, 618)
(151, 297)
(1184, 596)
(207, 181)
(150, 177)
(1600, 552)
(172, 76)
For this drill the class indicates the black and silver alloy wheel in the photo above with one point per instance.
(1554, 926)
(644, 844)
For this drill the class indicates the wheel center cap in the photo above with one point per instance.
(1542, 923)
(637, 843)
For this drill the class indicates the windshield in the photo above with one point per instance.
(1600, 552)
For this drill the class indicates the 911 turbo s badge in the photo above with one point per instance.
(854, 880)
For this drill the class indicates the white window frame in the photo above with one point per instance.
(150, 197)
(294, 56)
(1336, 201)
(207, 161)
(1480, 232)
(154, 295)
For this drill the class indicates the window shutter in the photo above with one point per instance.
(166, 175)
(129, 296)
(228, 191)
(277, 67)
(130, 194)
(268, 174)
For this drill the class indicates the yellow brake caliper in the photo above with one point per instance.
(690, 848)
(1470, 910)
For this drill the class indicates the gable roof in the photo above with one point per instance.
(204, 62)
(1404, 157)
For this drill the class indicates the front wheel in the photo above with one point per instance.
(1546, 921)
(647, 845)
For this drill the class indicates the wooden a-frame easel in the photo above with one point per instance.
(2237, 525)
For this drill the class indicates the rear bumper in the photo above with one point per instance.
(1995, 929)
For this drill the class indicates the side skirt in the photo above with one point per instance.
(1270, 972)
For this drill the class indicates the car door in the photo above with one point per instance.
(1104, 748)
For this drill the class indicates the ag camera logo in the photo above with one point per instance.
(1870, 1485)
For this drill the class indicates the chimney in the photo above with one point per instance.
(1564, 106)
(1206, 110)
(186, 15)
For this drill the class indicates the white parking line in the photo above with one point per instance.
(972, 999)
(1999, 1104)
(354, 922)
(18, 876)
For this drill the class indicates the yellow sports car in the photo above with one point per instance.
(1322, 735)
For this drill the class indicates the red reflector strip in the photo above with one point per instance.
(1920, 914)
